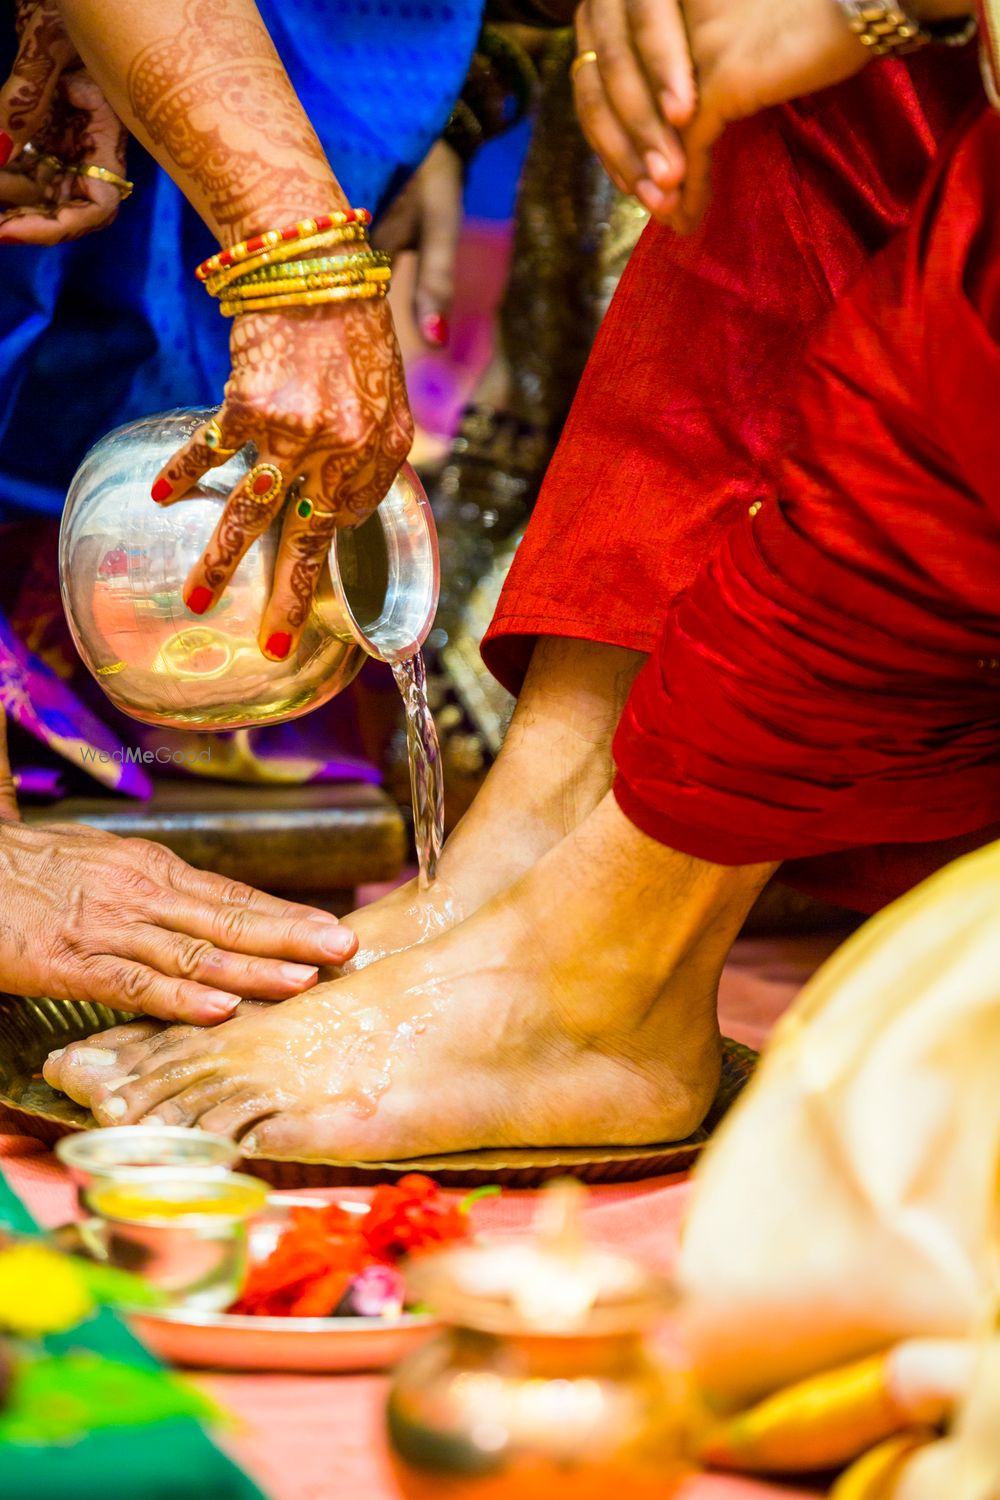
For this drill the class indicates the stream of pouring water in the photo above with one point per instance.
(426, 771)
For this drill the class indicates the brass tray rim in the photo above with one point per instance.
(479, 1162)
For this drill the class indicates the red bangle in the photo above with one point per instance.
(304, 229)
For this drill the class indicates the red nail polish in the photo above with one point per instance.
(199, 599)
(435, 329)
(278, 645)
(162, 490)
(6, 147)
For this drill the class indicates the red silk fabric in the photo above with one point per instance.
(832, 678)
(687, 402)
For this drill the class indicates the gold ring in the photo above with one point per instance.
(580, 61)
(103, 174)
(264, 483)
(212, 438)
(47, 167)
(305, 509)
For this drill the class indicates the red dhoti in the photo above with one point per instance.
(832, 678)
(689, 397)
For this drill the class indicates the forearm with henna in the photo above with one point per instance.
(200, 83)
(319, 390)
(46, 50)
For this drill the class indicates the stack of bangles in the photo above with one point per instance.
(327, 259)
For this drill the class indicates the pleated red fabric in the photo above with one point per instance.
(832, 677)
(685, 405)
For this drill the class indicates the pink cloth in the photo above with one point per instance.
(321, 1437)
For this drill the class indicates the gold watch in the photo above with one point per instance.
(886, 29)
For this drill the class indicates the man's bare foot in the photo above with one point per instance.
(577, 1008)
(554, 768)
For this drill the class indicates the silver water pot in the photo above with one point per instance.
(123, 562)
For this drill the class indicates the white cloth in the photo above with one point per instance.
(850, 1201)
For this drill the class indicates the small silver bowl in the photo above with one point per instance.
(191, 1240)
(123, 562)
(127, 1151)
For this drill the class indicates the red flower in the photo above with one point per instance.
(324, 1249)
(411, 1215)
(310, 1268)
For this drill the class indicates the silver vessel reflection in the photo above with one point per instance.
(124, 561)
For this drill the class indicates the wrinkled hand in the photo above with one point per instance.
(321, 392)
(427, 218)
(745, 56)
(51, 106)
(123, 922)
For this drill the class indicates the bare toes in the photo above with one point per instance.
(232, 1116)
(126, 1104)
(81, 1069)
(187, 1107)
(121, 1036)
(303, 1136)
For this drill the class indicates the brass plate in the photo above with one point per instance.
(230, 1341)
(31, 1029)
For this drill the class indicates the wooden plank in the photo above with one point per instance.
(311, 838)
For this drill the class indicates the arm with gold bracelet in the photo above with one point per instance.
(638, 60)
(62, 148)
(317, 381)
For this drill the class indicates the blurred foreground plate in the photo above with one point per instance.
(229, 1341)
(30, 1029)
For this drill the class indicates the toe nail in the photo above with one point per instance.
(119, 1083)
(54, 1056)
(95, 1057)
(113, 1107)
(153, 1120)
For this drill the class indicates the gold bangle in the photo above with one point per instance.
(580, 61)
(102, 174)
(274, 254)
(292, 233)
(318, 267)
(363, 293)
(285, 284)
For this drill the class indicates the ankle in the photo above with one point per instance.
(662, 904)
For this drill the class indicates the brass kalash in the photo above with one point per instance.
(124, 561)
(546, 1383)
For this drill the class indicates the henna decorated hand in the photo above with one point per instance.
(321, 393)
(427, 218)
(51, 101)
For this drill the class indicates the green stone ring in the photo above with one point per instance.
(305, 508)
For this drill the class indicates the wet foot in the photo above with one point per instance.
(578, 1008)
(553, 770)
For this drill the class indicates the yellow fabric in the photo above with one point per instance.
(817, 1424)
(874, 1477)
(849, 1202)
